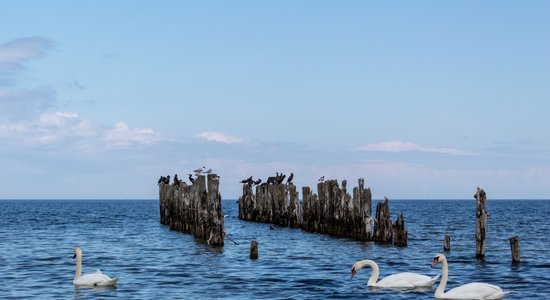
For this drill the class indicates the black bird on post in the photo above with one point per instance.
(191, 178)
(281, 178)
(258, 181)
(289, 179)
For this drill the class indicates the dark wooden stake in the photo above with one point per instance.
(254, 249)
(400, 234)
(447, 243)
(514, 247)
(383, 231)
(481, 222)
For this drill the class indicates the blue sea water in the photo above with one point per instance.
(124, 237)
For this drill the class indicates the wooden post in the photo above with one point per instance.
(400, 233)
(383, 232)
(447, 243)
(514, 247)
(254, 249)
(481, 222)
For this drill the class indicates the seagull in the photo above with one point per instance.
(321, 179)
(208, 171)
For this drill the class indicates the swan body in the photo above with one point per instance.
(405, 280)
(95, 279)
(474, 290)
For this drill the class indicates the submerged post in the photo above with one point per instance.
(514, 247)
(254, 249)
(447, 243)
(481, 222)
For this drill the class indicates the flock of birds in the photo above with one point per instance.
(177, 181)
(399, 281)
(277, 179)
(408, 280)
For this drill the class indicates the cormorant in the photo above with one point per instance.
(289, 179)
(191, 178)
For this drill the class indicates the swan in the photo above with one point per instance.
(474, 290)
(399, 280)
(94, 279)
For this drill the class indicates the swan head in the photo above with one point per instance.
(77, 252)
(359, 265)
(439, 258)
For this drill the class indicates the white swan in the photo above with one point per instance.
(94, 279)
(399, 280)
(474, 290)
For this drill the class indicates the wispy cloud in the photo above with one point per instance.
(69, 130)
(15, 53)
(398, 147)
(220, 138)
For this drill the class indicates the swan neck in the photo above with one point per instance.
(78, 270)
(375, 272)
(440, 291)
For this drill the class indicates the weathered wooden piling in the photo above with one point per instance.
(254, 249)
(400, 234)
(447, 243)
(481, 222)
(194, 209)
(514, 247)
(332, 210)
(383, 231)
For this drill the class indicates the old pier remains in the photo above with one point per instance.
(194, 209)
(332, 210)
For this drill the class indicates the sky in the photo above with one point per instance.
(422, 99)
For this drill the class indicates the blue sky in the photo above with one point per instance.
(423, 99)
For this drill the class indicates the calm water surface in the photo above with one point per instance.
(124, 237)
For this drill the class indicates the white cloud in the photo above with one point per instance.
(122, 136)
(398, 147)
(14, 53)
(220, 138)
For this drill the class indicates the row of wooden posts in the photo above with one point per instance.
(332, 210)
(194, 209)
(197, 209)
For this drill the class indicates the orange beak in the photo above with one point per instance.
(353, 272)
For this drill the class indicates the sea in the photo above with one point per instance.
(124, 238)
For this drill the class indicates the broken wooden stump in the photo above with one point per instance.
(254, 249)
(383, 229)
(194, 209)
(514, 247)
(447, 243)
(400, 234)
(481, 222)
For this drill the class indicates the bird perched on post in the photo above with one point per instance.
(289, 179)
(191, 178)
